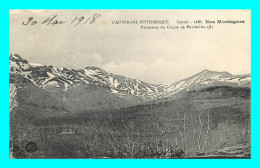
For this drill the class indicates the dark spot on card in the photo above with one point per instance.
(31, 146)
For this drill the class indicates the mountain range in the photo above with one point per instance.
(93, 88)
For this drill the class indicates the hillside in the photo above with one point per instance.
(90, 113)
(93, 88)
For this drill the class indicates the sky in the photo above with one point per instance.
(156, 56)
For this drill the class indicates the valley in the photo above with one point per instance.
(91, 113)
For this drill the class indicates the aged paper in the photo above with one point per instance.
(130, 83)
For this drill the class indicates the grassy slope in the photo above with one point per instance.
(229, 124)
(200, 127)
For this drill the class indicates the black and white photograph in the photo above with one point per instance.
(135, 84)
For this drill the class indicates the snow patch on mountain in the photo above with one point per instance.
(207, 78)
(35, 65)
(12, 97)
(66, 78)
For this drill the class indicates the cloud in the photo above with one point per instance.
(159, 71)
(95, 59)
(79, 60)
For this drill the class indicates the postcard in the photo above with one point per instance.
(130, 84)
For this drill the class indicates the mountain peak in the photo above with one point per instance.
(94, 68)
(49, 76)
(206, 72)
(17, 58)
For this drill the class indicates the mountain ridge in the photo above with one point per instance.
(49, 77)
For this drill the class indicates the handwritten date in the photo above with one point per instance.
(55, 21)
